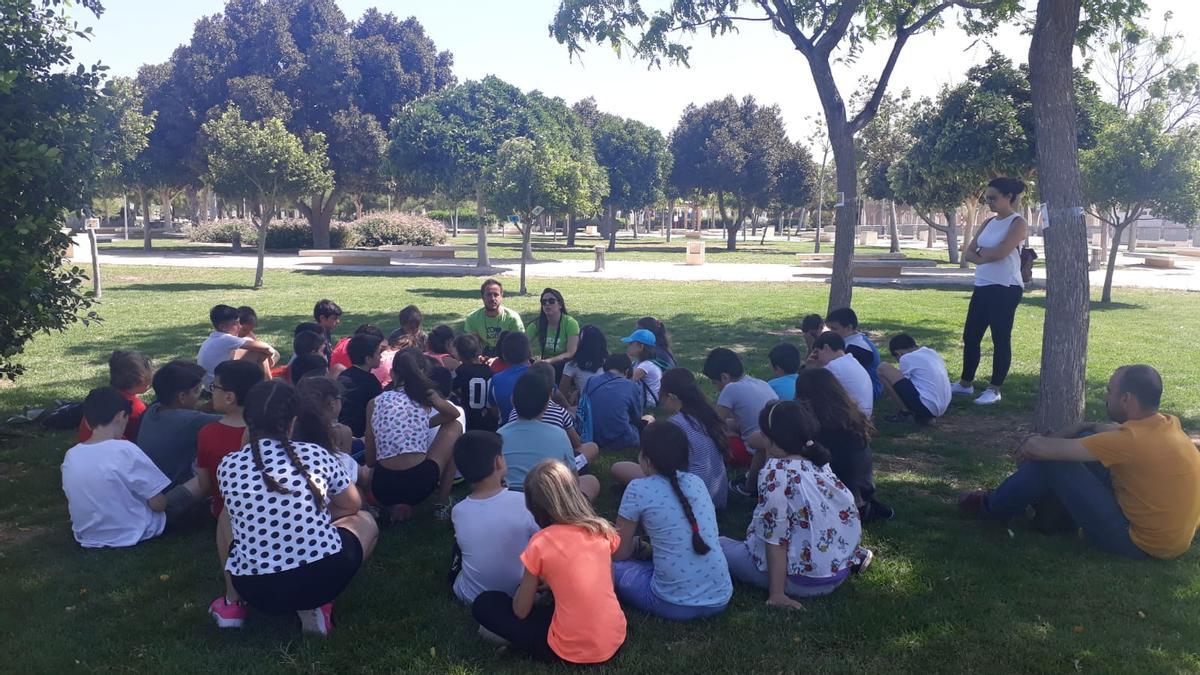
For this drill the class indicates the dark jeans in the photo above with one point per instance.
(993, 307)
(493, 611)
(1085, 491)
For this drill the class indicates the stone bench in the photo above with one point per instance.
(407, 251)
(364, 258)
(885, 268)
(1158, 260)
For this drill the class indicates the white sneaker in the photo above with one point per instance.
(491, 637)
(318, 621)
(958, 388)
(988, 397)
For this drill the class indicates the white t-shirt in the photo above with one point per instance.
(854, 378)
(107, 485)
(1007, 270)
(461, 421)
(927, 371)
(652, 381)
(579, 375)
(273, 531)
(217, 348)
(491, 533)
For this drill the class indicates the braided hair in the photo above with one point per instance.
(271, 406)
(665, 446)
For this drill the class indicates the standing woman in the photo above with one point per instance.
(554, 335)
(998, 288)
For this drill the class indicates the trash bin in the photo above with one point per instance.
(695, 252)
(599, 259)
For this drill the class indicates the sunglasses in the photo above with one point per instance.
(549, 301)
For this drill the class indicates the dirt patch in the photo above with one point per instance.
(126, 277)
(789, 332)
(12, 535)
(12, 470)
(916, 462)
(1001, 432)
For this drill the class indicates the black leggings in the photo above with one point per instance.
(992, 307)
(493, 610)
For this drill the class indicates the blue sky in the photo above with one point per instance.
(510, 39)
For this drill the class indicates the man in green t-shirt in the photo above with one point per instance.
(487, 322)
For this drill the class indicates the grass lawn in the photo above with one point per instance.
(945, 594)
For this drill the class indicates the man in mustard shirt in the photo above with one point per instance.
(1134, 486)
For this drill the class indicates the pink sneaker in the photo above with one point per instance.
(227, 614)
(319, 620)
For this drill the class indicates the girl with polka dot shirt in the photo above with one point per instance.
(299, 535)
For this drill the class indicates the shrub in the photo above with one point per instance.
(283, 233)
(396, 228)
(466, 219)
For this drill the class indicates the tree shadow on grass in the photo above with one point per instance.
(183, 287)
(1039, 301)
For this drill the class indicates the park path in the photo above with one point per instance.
(1185, 277)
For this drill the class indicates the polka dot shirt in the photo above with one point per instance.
(273, 531)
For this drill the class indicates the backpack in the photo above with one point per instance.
(1028, 255)
(583, 412)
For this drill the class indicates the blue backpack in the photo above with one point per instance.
(583, 412)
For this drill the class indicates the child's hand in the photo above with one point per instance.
(784, 602)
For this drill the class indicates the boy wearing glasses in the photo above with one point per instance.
(487, 322)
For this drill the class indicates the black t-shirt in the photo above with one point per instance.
(359, 387)
(471, 382)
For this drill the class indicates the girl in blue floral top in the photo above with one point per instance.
(803, 539)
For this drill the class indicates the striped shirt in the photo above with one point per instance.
(704, 459)
(555, 414)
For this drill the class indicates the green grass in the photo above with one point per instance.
(945, 595)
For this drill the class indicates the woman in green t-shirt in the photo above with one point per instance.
(554, 335)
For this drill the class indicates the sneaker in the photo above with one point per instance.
(442, 511)
(740, 487)
(988, 397)
(227, 614)
(877, 511)
(318, 621)
(958, 388)
(862, 565)
(489, 636)
(972, 503)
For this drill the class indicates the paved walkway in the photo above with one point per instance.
(1186, 276)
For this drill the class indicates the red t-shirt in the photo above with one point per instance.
(340, 356)
(213, 442)
(131, 429)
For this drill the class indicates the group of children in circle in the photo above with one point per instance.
(298, 462)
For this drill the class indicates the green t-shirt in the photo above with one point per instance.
(556, 339)
(488, 328)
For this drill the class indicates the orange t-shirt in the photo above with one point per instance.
(588, 624)
(1156, 477)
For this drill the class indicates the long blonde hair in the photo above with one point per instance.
(552, 495)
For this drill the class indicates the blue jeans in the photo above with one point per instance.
(742, 567)
(1085, 490)
(632, 578)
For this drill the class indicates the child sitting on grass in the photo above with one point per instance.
(130, 374)
(811, 327)
(572, 555)
(278, 565)
(804, 536)
(441, 347)
(529, 440)
(491, 526)
(688, 578)
(920, 386)
(327, 314)
(411, 337)
(471, 382)
(613, 405)
(359, 386)
(844, 322)
(785, 364)
(114, 492)
(170, 427)
(223, 344)
(217, 439)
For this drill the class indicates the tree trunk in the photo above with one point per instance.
(952, 235)
(1106, 296)
(845, 223)
(1132, 247)
(570, 229)
(1064, 334)
(968, 232)
(453, 220)
(670, 220)
(930, 236)
(730, 229)
(893, 233)
(482, 259)
(264, 222)
(610, 224)
(145, 202)
(319, 212)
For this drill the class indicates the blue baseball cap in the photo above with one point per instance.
(640, 335)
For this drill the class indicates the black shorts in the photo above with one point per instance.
(407, 486)
(306, 587)
(907, 392)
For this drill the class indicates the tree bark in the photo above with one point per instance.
(1106, 296)
(166, 196)
(1132, 246)
(1064, 334)
(571, 229)
(145, 202)
(845, 222)
(670, 219)
(730, 229)
(610, 220)
(319, 212)
(267, 211)
(453, 219)
(482, 259)
(952, 235)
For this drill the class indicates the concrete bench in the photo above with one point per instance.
(406, 251)
(882, 269)
(1159, 260)
(351, 256)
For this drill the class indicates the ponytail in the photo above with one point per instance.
(793, 428)
(665, 446)
(695, 407)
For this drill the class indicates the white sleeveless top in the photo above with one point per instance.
(1007, 270)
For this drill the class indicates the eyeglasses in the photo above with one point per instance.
(990, 198)
(549, 301)
(215, 387)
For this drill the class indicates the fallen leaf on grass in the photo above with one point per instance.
(164, 577)
(1141, 614)
(1078, 629)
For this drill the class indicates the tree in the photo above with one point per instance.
(122, 133)
(265, 164)
(635, 158)
(1137, 167)
(817, 29)
(1056, 32)
(50, 114)
(882, 143)
(172, 158)
(1140, 68)
(528, 173)
(729, 148)
(797, 180)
